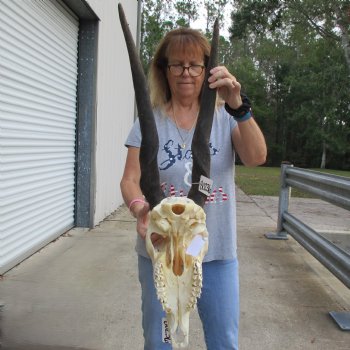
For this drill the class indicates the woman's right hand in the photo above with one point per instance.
(141, 213)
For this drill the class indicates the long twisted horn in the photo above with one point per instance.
(149, 182)
(200, 141)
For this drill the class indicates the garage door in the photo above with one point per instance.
(38, 78)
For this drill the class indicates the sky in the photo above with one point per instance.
(201, 22)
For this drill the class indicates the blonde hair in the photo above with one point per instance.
(184, 40)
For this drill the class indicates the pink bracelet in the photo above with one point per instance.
(136, 200)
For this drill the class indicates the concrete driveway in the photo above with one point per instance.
(82, 292)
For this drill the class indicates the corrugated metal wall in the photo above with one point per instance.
(115, 103)
(38, 75)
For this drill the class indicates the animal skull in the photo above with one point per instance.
(177, 261)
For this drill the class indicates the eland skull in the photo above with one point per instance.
(177, 262)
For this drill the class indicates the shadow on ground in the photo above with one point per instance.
(39, 347)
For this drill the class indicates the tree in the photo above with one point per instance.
(187, 11)
(328, 18)
(297, 45)
(292, 59)
(154, 24)
(214, 9)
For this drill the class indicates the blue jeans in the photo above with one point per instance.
(218, 306)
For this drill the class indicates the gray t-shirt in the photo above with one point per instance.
(175, 169)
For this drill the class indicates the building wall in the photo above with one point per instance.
(115, 103)
(50, 165)
(38, 81)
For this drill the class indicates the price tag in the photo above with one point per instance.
(205, 185)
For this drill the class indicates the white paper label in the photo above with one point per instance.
(195, 246)
(205, 185)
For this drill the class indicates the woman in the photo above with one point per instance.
(176, 79)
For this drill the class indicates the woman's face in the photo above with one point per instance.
(185, 86)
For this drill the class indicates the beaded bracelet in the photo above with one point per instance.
(136, 200)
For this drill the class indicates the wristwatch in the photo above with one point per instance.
(241, 112)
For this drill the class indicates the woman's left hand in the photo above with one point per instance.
(229, 88)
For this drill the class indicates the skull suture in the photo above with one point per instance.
(177, 261)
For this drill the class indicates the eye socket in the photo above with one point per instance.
(193, 224)
(158, 241)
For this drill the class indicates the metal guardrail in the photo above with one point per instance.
(333, 189)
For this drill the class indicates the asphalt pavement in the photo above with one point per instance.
(81, 291)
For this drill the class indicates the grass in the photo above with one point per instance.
(265, 181)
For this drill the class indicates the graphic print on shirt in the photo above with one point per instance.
(174, 153)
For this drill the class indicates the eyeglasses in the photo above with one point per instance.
(194, 70)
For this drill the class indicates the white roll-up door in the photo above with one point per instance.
(38, 78)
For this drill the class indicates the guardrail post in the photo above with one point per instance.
(1, 306)
(283, 205)
(342, 319)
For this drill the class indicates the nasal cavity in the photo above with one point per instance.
(178, 209)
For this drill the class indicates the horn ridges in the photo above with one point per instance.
(200, 141)
(149, 182)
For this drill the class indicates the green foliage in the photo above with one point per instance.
(292, 59)
(214, 9)
(298, 47)
(154, 24)
(187, 11)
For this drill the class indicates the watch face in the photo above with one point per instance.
(242, 110)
